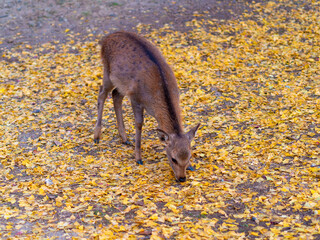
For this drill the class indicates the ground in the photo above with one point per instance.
(42, 21)
(248, 71)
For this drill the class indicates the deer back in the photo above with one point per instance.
(138, 70)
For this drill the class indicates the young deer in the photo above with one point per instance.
(135, 68)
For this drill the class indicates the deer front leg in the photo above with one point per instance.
(190, 168)
(138, 116)
(117, 103)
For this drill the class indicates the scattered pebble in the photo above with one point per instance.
(57, 143)
(70, 169)
(48, 181)
(36, 111)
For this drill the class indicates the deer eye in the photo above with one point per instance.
(174, 161)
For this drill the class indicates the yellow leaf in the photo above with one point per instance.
(125, 201)
(41, 191)
(254, 234)
(59, 201)
(172, 207)
(122, 228)
(154, 217)
(8, 227)
(309, 205)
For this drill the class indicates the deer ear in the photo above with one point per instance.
(193, 131)
(164, 137)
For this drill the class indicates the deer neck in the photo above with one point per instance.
(169, 125)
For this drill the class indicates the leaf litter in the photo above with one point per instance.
(252, 82)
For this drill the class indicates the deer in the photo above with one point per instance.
(135, 68)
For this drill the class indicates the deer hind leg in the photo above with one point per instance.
(138, 116)
(103, 93)
(117, 103)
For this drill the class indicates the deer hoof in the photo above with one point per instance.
(127, 143)
(96, 140)
(190, 168)
(139, 162)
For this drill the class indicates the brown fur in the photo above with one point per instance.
(135, 68)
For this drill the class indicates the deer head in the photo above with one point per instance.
(178, 150)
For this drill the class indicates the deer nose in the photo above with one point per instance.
(182, 179)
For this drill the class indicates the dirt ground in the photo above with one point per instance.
(39, 21)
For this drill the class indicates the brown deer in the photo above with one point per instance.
(135, 68)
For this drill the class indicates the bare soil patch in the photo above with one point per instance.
(33, 22)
